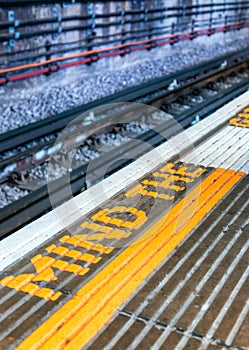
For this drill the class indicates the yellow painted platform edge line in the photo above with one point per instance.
(150, 260)
(33, 340)
(70, 308)
(99, 304)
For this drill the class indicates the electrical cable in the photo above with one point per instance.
(121, 50)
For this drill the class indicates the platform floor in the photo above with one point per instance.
(163, 264)
(198, 298)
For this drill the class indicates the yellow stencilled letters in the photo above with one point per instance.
(144, 191)
(242, 119)
(183, 171)
(104, 216)
(73, 254)
(76, 242)
(169, 176)
(241, 122)
(44, 266)
(24, 283)
(113, 223)
(102, 232)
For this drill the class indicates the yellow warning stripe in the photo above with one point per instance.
(79, 320)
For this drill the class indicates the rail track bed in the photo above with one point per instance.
(186, 98)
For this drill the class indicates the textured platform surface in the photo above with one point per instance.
(161, 263)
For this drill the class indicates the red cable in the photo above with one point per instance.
(173, 38)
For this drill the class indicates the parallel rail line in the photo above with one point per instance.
(32, 206)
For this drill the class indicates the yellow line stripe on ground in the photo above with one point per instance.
(79, 320)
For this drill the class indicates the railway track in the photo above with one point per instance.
(192, 98)
(146, 93)
(196, 95)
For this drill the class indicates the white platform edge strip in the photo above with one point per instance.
(36, 233)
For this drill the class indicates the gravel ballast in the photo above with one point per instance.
(41, 97)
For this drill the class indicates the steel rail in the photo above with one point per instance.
(26, 209)
(56, 123)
